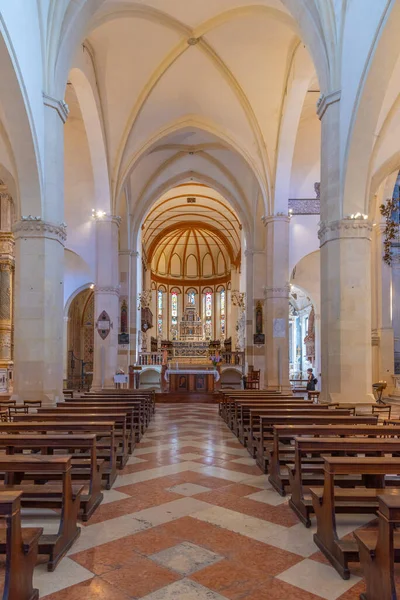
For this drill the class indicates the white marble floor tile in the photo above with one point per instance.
(252, 527)
(185, 589)
(247, 460)
(134, 460)
(190, 456)
(268, 497)
(258, 481)
(186, 558)
(222, 473)
(68, 573)
(108, 531)
(151, 449)
(113, 496)
(318, 579)
(149, 474)
(297, 539)
(169, 511)
(188, 489)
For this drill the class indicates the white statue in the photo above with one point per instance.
(241, 332)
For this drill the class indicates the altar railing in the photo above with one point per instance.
(227, 358)
(150, 358)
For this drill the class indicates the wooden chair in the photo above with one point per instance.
(33, 403)
(252, 381)
(20, 545)
(17, 410)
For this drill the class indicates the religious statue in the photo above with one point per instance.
(309, 340)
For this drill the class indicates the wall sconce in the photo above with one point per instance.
(358, 216)
(98, 214)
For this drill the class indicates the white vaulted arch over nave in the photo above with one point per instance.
(285, 111)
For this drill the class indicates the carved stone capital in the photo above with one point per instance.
(34, 227)
(278, 218)
(6, 247)
(359, 229)
(325, 101)
(59, 105)
(271, 292)
(108, 290)
(106, 218)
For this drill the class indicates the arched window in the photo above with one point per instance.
(208, 314)
(191, 298)
(222, 312)
(174, 308)
(209, 304)
(159, 312)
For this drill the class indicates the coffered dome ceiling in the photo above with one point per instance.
(192, 233)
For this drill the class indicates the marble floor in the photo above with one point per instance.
(192, 517)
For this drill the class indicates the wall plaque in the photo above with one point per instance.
(103, 325)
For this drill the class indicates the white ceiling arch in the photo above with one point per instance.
(189, 177)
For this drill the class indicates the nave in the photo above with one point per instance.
(192, 517)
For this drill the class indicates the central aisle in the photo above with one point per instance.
(193, 518)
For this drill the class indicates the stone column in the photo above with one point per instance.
(39, 299)
(65, 349)
(106, 300)
(276, 295)
(39, 275)
(249, 254)
(346, 310)
(382, 324)
(134, 314)
(6, 301)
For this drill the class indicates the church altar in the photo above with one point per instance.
(200, 380)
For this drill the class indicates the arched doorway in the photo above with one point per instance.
(80, 341)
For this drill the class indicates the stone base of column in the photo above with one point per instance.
(351, 398)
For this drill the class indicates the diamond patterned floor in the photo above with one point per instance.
(192, 517)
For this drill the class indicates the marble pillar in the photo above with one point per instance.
(134, 314)
(346, 310)
(6, 304)
(249, 349)
(106, 300)
(382, 324)
(39, 299)
(276, 294)
(39, 275)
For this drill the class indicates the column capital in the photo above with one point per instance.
(271, 292)
(252, 252)
(7, 244)
(360, 229)
(58, 105)
(278, 218)
(326, 100)
(103, 217)
(132, 253)
(34, 227)
(112, 290)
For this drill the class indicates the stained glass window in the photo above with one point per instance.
(159, 312)
(174, 308)
(222, 312)
(208, 304)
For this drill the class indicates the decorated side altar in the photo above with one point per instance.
(196, 378)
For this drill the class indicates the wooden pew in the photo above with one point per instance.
(139, 417)
(229, 405)
(119, 420)
(20, 545)
(47, 496)
(241, 413)
(104, 431)
(146, 395)
(331, 417)
(247, 421)
(146, 402)
(88, 470)
(307, 472)
(379, 549)
(282, 451)
(328, 499)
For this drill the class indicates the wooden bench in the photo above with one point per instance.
(148, 397)
(379, 549)
(241, 415)
(228, 409)
(146, 403)
(326, 501)
(282, 449)
(138, 415)
(233, 407)
(119, 421)
(88, 470)
(104, 432)
(331, 417)
(20, 545)
(306, 472)
(65, 497)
